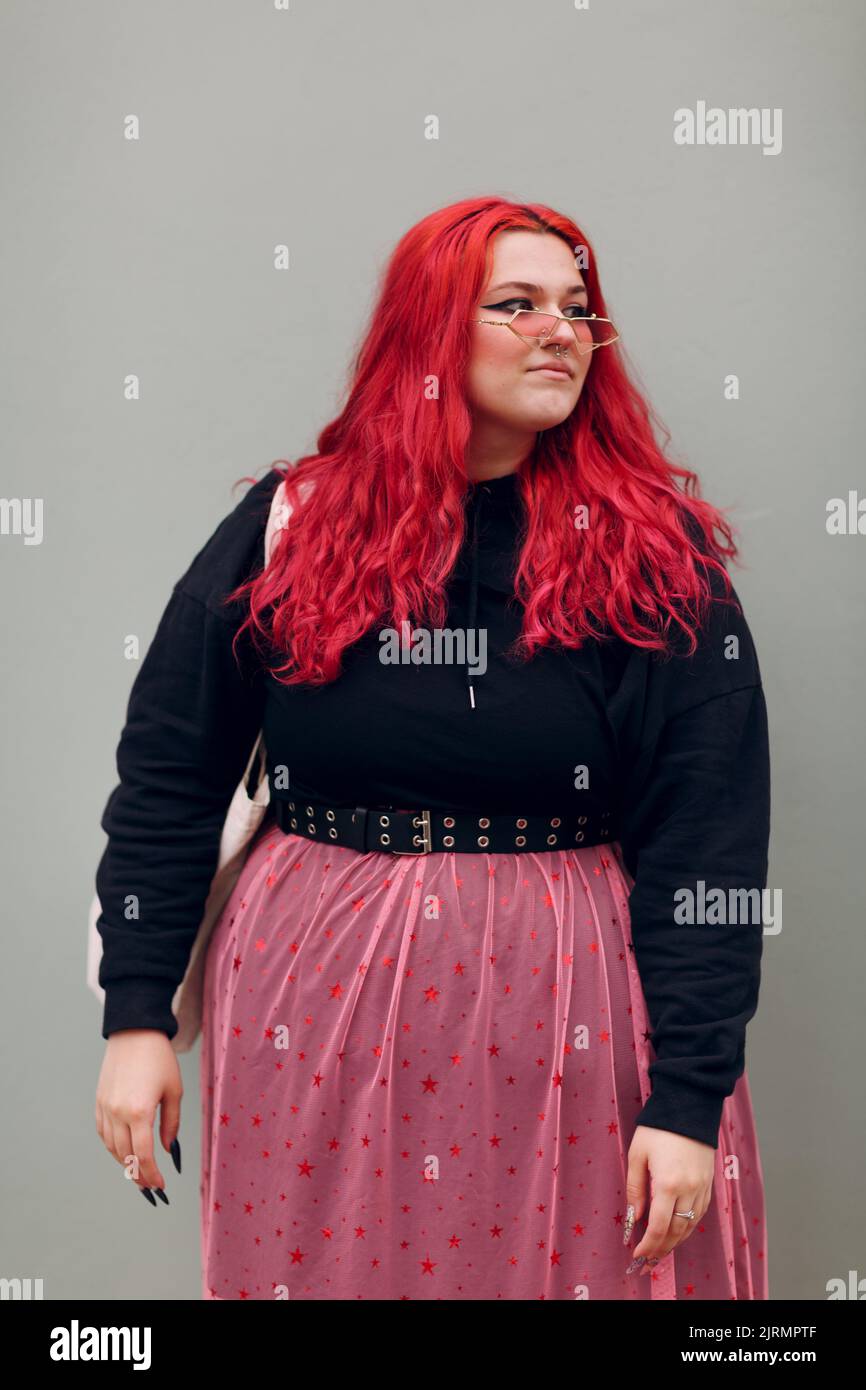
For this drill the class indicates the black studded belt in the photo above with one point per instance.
(392, 831)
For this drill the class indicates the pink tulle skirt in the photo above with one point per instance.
(420, 1077)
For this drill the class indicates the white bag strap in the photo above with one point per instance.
(277, 517)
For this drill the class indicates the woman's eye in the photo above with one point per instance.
(510, 304)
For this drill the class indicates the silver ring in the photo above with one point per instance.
(689, 1215)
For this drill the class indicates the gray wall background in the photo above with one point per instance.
(156, 257)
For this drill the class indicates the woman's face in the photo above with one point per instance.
(507, 384)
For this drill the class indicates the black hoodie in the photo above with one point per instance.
(678, 748)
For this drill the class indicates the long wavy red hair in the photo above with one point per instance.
(375, 538)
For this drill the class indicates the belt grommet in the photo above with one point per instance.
(551, 839)
(581, 820)
(384, 820)
(329, 815)
(521, 824)
(311, 828)
(293, 823)
(449, 821)
(555, 822)
(483, 823)
(309, 810)
(520, 839)
(291, 805)
(483, 840)
(448, 839)
(332, 832)
(579, 835)
(384, 839)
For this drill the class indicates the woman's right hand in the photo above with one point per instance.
(140, 1071)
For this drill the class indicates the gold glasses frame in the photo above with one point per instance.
(582, 348)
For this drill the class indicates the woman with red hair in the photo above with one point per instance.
(475, 1011)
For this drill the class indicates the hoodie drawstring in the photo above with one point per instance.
(473, 589)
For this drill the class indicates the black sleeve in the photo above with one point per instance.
(193, 716)
(698, 811)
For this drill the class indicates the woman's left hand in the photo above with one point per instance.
(681, 1173)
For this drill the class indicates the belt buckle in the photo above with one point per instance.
(426, 836)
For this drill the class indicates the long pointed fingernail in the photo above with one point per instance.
(162, 1197)
(174, 1150)
(636, 1263)
(146, 1192)
(629, 1224)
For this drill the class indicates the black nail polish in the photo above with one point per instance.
(174, 1150)
(146, 1192)
(162, 1197)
